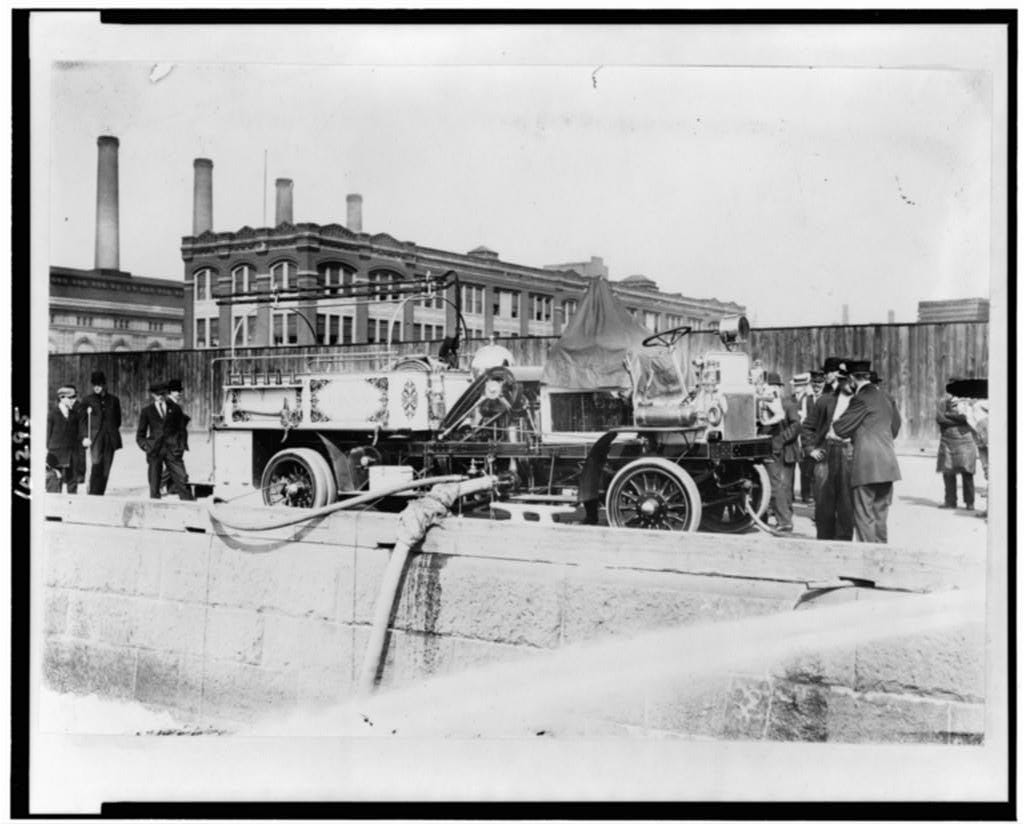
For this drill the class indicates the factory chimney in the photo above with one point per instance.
(202, 196)
(355, 212)
(283, 211)
(846, 314)
(107, 244)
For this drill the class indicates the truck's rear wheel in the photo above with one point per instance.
(299, 477)
(653, 494)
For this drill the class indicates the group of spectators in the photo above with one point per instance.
(839, 426)
(94, 424)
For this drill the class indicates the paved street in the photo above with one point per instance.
(914, 517)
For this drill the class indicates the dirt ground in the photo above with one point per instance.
(914, 517)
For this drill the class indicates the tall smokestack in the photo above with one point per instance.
(107, 249)
(202, 196)
(355, 212)
(846, 313)
(283, 212)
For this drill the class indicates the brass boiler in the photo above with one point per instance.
(667, 412)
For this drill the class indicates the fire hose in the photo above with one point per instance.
(413, 523)
(320, 512)
(760, 525)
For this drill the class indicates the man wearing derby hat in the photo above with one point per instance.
(62, 442)
(159, 436)
(174, 391)
(100, 422)
(833, 496)
(958, 448)
(872, 421)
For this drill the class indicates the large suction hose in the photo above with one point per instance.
(347, 504)
(413, 523)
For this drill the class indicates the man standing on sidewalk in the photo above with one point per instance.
(174, 391)
(100, 431)
(872, 421)
(804, 397)
(833, 456)
(785, 434)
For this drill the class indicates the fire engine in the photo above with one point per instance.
(656, 450)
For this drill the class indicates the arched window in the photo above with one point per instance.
(282, 275)
(241, 279)
(335, 278)
(386, 282)
(154, 345)
(203, 284)
(85, 345)
(120, 345)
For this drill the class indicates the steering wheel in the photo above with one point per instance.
(667, 338)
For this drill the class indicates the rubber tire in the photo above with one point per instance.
(324, 489)
(683, 478)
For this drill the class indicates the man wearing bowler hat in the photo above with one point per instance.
(100, 422)
(174, 392)
(872, 421)
(833, 496)
(159, 436)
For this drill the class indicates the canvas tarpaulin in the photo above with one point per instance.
(596, 346)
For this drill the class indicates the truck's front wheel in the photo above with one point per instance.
(298, 477)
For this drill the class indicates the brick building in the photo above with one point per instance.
(497, 296)
(105, 308)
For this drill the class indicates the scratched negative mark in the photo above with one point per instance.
(903, 197)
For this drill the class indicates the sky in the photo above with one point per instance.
(792, 190)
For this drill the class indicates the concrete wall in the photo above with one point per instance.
(152, 602)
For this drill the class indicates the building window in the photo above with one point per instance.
(695, 323)
(377, 331)
(505, 304)
(200, 332)
(417, 332)
(651, 321)
(472, 300)
(435, 301)
(244, 327)
(121, 323)
(540, 307)
(335, 278)
(673, 321)
(84, 320)
(284, 328)
(240, 281)
(156, 326)
(330, 328)
(282, 275)
(203, 278)
(569, 310)
(386, 284)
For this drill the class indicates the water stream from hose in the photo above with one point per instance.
(557, 691)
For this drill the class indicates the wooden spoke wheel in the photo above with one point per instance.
(653, 494)
(298, 477)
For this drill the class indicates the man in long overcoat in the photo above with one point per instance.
(958, 451)
(161, 437)
(62, 443)
(833, 456)
(174, 392)
(101, 432)
(872, 421)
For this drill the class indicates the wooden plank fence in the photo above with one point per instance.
(914, 360)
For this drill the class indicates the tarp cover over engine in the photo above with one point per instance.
(596, 345)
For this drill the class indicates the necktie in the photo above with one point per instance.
(160, 408)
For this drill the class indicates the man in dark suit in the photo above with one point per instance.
(174, 391)
(62, 443)
(833, 496)
(872, 421)
(160, 436)
(101, 432)
(784, 430)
